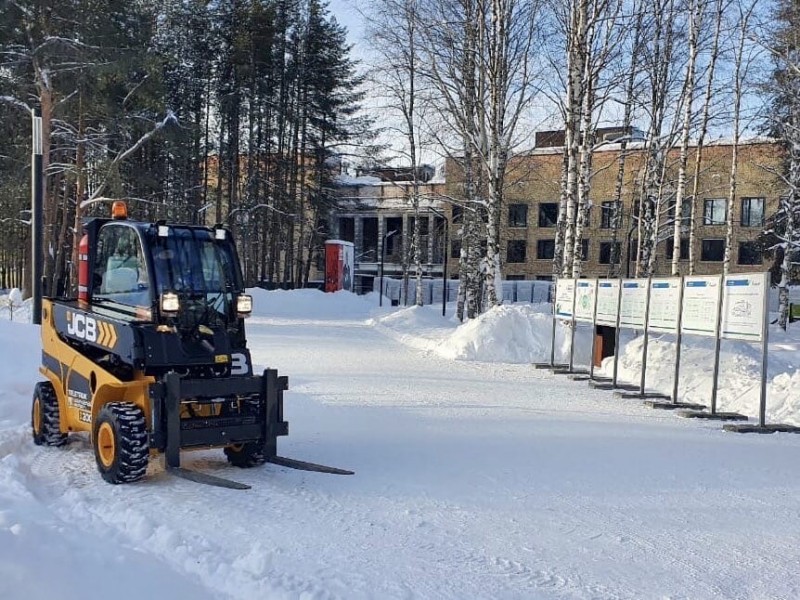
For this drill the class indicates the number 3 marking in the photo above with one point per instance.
(239, 364)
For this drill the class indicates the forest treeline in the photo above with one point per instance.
(229, 110)
(198, 111)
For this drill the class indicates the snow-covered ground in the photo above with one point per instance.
(477, 476)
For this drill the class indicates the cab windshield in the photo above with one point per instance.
(190, 261)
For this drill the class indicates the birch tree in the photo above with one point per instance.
(394, 31)
(696, 10)
(660, 73)
(784, 123)
(500, 92)
(740, 68)
(452, 52)
(719, 9)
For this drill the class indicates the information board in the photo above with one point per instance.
(665, 305)
(565, 297)
(700, 305)
(607, 302)
(634, 303)
(743, 306)
(585, 295)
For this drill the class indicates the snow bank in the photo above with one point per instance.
(13, 308)
(20, 355)
(521, 334)
(518, 333)
(740, 372)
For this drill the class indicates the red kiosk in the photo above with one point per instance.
(339, 265)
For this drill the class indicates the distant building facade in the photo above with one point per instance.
(530, 210)
(374, 212)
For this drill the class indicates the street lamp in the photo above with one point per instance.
(37, 201)
(444, 256)
(386, 235)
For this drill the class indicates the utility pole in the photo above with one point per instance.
(37, 200)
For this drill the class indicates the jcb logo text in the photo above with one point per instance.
(82, 327)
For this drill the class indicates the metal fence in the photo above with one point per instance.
(432, 289)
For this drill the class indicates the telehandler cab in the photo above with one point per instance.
(152, 356)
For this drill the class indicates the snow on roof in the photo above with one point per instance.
(344, 180)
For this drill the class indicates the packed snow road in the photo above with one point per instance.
(473, 480)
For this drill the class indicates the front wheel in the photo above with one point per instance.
(245, 455)
(120, 442)
(45, 418)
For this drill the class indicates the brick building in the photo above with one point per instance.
(531, 208)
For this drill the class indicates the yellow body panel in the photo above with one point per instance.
(79, 413)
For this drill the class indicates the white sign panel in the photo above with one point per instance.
(743, 306)
(665, 306)
(700, 305)
(585, 295)
(634, 302)
(565, 296)
(607, 302)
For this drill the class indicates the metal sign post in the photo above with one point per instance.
(646, 338)
(762, 407)
(616, 337)
(717, 345)
(572, 329)
(678, 340)
(594, 329)
(553, 337)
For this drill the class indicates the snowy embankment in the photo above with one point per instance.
(522, 334)
(473, 479)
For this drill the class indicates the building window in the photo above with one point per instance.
(515, 277)
(548, 214)
(609, 213)
(458, 214)
(750, 253)
(545, 249)
(752, 214)
(369, 235)
(605, 252)
(455, 249)
(686, 212)
(347, 229)
(587, 216)
(633, 249)
(715, 211)
(713, 250)
(584, 250)
(684, 249)
(517, 215)
(515, 253)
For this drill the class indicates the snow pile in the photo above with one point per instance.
(13, 308)
(20, 355)
(739, 386)
(515, 334)
(518, 333)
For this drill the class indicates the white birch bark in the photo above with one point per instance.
(704, 120)
(696, 10)
(739, 73)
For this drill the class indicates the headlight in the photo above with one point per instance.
(244, 305)
(170, 303)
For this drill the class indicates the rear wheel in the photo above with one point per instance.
(45, 420)
(246, 455)
(120, 442)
